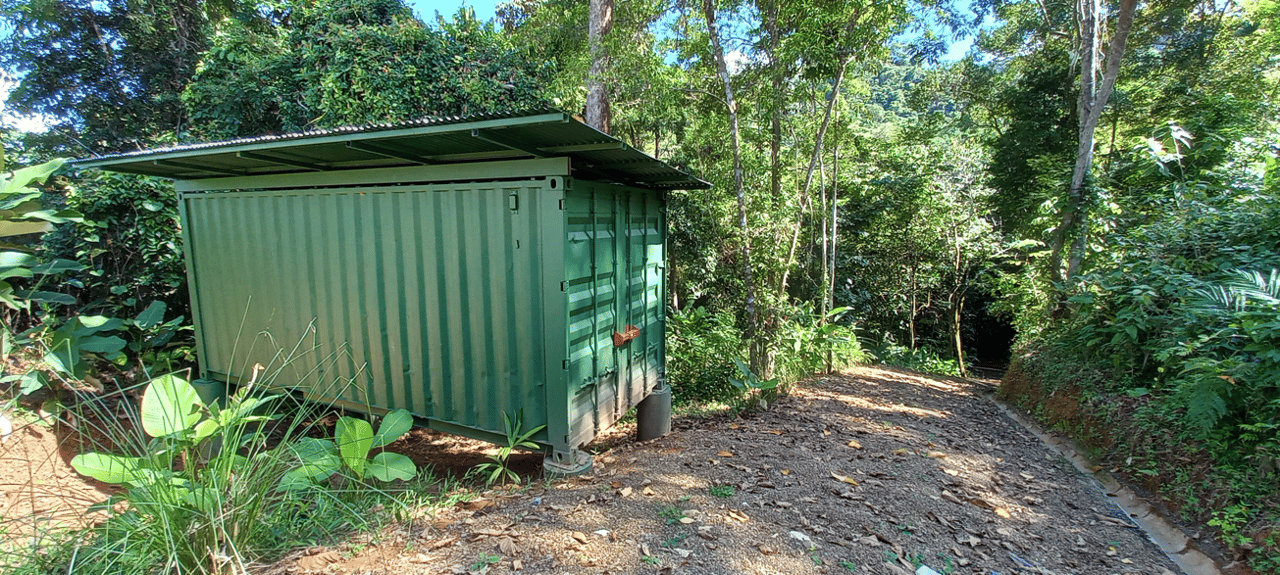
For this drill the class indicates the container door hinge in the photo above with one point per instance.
(564, 286)
(562, 204)
(565, 364)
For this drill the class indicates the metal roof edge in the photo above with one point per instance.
(200, 161)
(341, 134)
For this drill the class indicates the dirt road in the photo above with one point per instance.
(871, 470)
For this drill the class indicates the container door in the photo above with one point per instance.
(613, 262)
(640, 294)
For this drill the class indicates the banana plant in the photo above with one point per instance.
(21, 213)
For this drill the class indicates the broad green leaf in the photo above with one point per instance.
(15, 273)
(244, 411)
(47, 297)
(310, 449)
(318, 458)
(297, 480)
(91, 324)
(19, 204)
(170, 405)
(151, 316)
(8, 299)
(64, 355)
(355, 439)
(57, 266)
(204, 499)
(105, 345)
(206, 428)
(26, 176)
(394, 424)
(32, 382)
(17, 260)
(387, 466)
(109, 468)
(58, 217)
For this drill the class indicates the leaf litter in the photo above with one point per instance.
(881, 469)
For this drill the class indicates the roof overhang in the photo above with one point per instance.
(545, 133)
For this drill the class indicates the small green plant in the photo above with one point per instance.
(850, 565)
(485, 560)
(353, 440)
(947, 565)
(753, 392)
(722, 491)
(671, 513)
(650, 559)
(813, 555)
(496, 468)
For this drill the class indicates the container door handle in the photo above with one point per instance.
(626, 335)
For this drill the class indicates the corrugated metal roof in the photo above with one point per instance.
(434, 140)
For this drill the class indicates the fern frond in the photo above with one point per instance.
(1245, 289)
(1203, 397)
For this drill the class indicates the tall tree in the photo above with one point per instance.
(597, 109)
(345, 62)
(1096, 83)
(108, 73)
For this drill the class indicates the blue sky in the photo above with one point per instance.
(426, 9)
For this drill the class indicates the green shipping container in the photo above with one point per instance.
(461, 268)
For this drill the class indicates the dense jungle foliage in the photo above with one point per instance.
(1089, 191)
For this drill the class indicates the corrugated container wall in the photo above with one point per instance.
(458, 302)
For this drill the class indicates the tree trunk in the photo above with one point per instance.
(757, 358)
(957, 296)
(821, 215)
(911, 320)
(597, 113)
(808, 177)
(775, 115)
(957, 307)
(830, 288)
(835, 210)
(1093, 99)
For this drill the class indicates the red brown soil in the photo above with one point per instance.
(39, 489)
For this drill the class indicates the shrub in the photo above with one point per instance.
(129, 243)
(701, 346)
